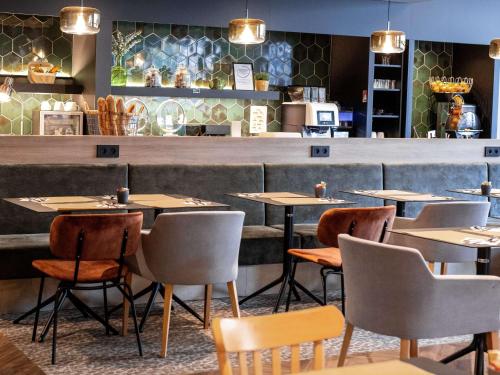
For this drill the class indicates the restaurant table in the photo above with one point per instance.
(106, 203)
(401, 197)
(480, 238)
(414, 366)
(495, 193)
(289, 201)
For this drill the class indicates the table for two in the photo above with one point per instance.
(106, 203)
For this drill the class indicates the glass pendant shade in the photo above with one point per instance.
(6, 90)
(80, 20)
(247, 31)
(495, 49)
(388, 41)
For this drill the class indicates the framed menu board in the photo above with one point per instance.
(243, 76)
(258, 119)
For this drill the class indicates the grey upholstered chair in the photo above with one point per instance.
(392, 292)
(442, 215)
(191, 248)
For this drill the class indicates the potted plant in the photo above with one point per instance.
(120, 46)
(262, 81)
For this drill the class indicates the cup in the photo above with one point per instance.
(320, 191)
(485, 189)
(122, 195)
(45, 106)
(71, 107)
(58, 106)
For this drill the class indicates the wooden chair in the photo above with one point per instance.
(272, 332)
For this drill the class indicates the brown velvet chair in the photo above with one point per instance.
(369, 223)
(90, 252)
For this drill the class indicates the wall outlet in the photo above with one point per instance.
(320, 151)
(108, 151)
(491, 152)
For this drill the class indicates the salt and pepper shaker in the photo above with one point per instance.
(122, 195)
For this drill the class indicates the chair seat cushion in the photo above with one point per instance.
(17, 251)
(88, 272)
(328, 256)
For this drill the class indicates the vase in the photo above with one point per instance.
(261, 85)
(118, 74)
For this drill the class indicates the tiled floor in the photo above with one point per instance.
(83, 347)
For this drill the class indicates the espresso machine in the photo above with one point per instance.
(312, 120)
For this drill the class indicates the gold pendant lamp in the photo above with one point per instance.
(247, 30)
(495, 49)
(80, 20)
(388, 41)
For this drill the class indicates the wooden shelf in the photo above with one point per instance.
(61, 86)
(172, 92)
(386, 116)
(387, 66)
(388, 90)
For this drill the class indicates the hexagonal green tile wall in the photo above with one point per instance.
(430, 59)
(23, 38)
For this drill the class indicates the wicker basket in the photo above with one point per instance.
(41, 78)
(92, 123)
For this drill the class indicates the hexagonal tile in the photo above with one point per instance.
(292, 38)
(424, 46)
(27, 60)
(29, 105)
(12, 109)
(269, 50)
(170, 45)
(235, 113)
(210, 62)
(321, 69)
(300, 52)
(67, 65)
(54, 60)
(236, 50)
(151, 41)
(221, 47)
(423, 74)
(159, 59)
(21, 45)
(61, 47)
(284, 51)
(214, 33)
(418, 58)
(162, 30)
(438, 47)
(42, 46)
(51, 28)
(179, 31)
(430, 59)
(444, 60)
(436, 72)
(422, 103)
(32, 28)
(204, 46)
(307, 68)
(187, 46)
(12, 63)
(5, 44)
(307, 39)
(418, 88)
(274, 126)
(12, 26)
(196, 63)
(253, 51)
(314, 81)
(4, 124)
(196, 31)
(125, 27)
(314, 53)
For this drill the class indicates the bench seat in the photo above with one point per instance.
(17, 251)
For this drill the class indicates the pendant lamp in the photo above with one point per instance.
(388, 41)
(80, 20)
(495, 49)
(6, 90)
(247, 30)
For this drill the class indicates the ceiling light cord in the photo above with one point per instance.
(246, 8)
(388, 15)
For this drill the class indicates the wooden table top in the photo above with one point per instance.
(106, 203)
(473, 237)
(289, 199)
(417, 366)
(14, 362)
(401, 195)
(495, 193)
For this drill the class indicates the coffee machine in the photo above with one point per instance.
(315, 120)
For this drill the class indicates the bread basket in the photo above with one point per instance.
(38, 72)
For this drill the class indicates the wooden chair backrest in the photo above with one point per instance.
(272, 332)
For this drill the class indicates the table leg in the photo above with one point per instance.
(478, 344)
(400, 209)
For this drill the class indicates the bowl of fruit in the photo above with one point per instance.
(450, 85)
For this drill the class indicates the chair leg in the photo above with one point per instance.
(414, 348)
(130, 296)
(444, 268)
(126, 306)
(206, 311)
(60, 294)
(345, 344)
(167, 305)
(149, 305)
(292, 284)
(233, 296)
(105, 301)
(342, 292)
(404, 349)
(324, 276)
(38, 307)
(431, 266)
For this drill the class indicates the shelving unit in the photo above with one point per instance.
(173, 92)
(61, 86)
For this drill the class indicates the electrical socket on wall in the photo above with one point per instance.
(491, 152)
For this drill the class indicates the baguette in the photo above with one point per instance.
(111, 117)
(131, 108)
(121, 117)
(103, 110)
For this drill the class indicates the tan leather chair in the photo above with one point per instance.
(369, 223)
(392, 292)
(90, 252)
(191, 248)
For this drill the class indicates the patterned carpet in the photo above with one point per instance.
(83, 347)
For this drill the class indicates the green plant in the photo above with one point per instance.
(262, 76)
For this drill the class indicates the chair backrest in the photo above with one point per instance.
(273, 332)
(194, 248)
(102, 235)
(453, 214)
(369, 223)
(380, 280)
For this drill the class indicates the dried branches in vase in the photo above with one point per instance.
(120, 46)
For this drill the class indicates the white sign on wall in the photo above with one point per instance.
(258, 119)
